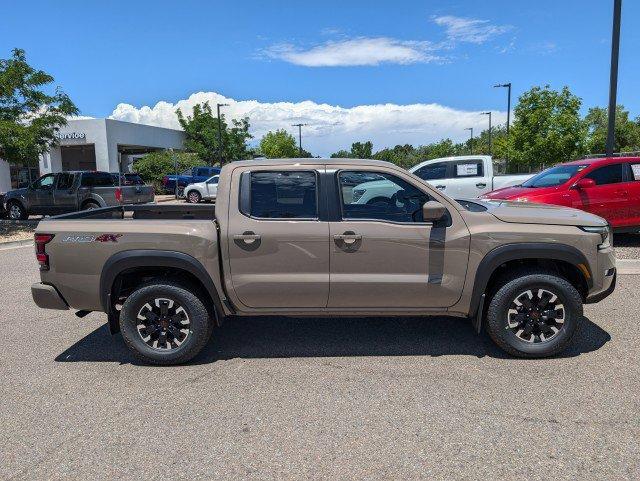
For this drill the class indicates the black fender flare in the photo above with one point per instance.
(526, 250)
(130, 259)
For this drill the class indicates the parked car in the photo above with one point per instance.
(284, 239)
(459, 177)
(191, 176)
(608, 187)
(128, 178)
(199, 191)
(465, 176)
(62, 192)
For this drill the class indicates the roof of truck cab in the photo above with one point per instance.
(312, 161)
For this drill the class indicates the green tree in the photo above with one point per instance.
(547, 128)
(154, 166)
(279, 145)
(627, 131)
(341, 154)
(29, 117)
(201, 131)
(359, 150)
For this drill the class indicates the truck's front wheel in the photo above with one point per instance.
(164, 323)
(534, 314)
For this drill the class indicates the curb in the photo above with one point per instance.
(626, 267)
(14, 244)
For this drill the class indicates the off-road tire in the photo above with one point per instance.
(201, 324)
(16, 211)
(510, 286)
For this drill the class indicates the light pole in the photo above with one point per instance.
(508, 86)
(299, 137)
(220, 149)
(470, 129)
(489, 114)
(613, 77)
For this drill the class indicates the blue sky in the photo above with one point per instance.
(424, 67)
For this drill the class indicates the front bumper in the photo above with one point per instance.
(592, 299)
(48, 297)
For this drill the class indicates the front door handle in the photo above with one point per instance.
(348, 238)
(247, 237)
(441, 187)
(481, 185)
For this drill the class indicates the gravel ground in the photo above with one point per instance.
(627, 246)
(315, 398)
(13, 231)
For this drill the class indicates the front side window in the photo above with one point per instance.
(432, 171)
(383, 197)
(610, 174)
(283, 195)
(45, 182)
(213, 180)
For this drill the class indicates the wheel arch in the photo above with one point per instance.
(566, 259)
(154, 263)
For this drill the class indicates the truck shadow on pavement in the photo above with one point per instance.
(278, 337)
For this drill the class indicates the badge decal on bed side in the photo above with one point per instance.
(91, 238)
(108, 237)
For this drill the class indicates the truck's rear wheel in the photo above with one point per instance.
(16, 211)
(164, 323)
(534, 314)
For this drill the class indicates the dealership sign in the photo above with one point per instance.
(70, 135)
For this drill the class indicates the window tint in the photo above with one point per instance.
(432, 171)
(468, 168)
(98, 179)
(384, 197)
(283, 195)
(45, 182)
(611, 174)
(65, 181)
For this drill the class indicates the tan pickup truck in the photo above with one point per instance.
(291, 237)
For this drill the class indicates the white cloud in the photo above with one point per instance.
(355, 52)
(472, 30)
(331, 127)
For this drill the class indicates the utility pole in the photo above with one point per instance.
(471, 143)
(489, 114)
(613, 77)
(299, 137)
(175, 170)
(220, 149)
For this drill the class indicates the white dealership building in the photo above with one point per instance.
(94, 144)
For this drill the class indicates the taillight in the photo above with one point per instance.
(119, 194)
(43, 259)
(165, 180)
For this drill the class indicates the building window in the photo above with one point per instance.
(22, 176)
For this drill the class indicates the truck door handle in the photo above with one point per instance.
(247, 237)
(441, 187)
(481, 185)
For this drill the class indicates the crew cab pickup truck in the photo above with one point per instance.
(191, 176)
(63, 192)
(465, 176)
(286, 238)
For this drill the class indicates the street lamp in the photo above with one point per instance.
(220, 149)
(489, 114)
(508, 86)
(470, 129)
(613, 77)
(299, 137)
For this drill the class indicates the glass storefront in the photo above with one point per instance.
(22, 176)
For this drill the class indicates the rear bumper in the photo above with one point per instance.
(48, 297)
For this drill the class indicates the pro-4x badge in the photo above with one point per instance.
(84, 238)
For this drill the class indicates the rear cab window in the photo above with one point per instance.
(468, 168)
(279, 194)
(97, 179)
(65, 181)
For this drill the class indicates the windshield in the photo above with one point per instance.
(553, 176)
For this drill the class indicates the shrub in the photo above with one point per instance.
(154, 166)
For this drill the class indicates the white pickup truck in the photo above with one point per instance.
(462, 177)
(466, 176)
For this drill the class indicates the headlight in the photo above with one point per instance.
(605, 235)
(357, 193)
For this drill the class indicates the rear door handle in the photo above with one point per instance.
(247, 237)
(481, 185)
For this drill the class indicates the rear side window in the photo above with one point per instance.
(283, 195)
(98, 179)
(633, 172)
(65, 181)
(610, 174)
(432, 171)
(468, 168)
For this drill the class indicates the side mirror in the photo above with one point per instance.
(433, 211)
(585, 184)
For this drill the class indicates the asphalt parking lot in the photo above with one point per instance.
(315, 398)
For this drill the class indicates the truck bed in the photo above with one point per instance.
(145, 211)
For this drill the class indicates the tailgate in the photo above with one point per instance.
(137, 194)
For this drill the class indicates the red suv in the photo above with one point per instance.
(608, 187)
